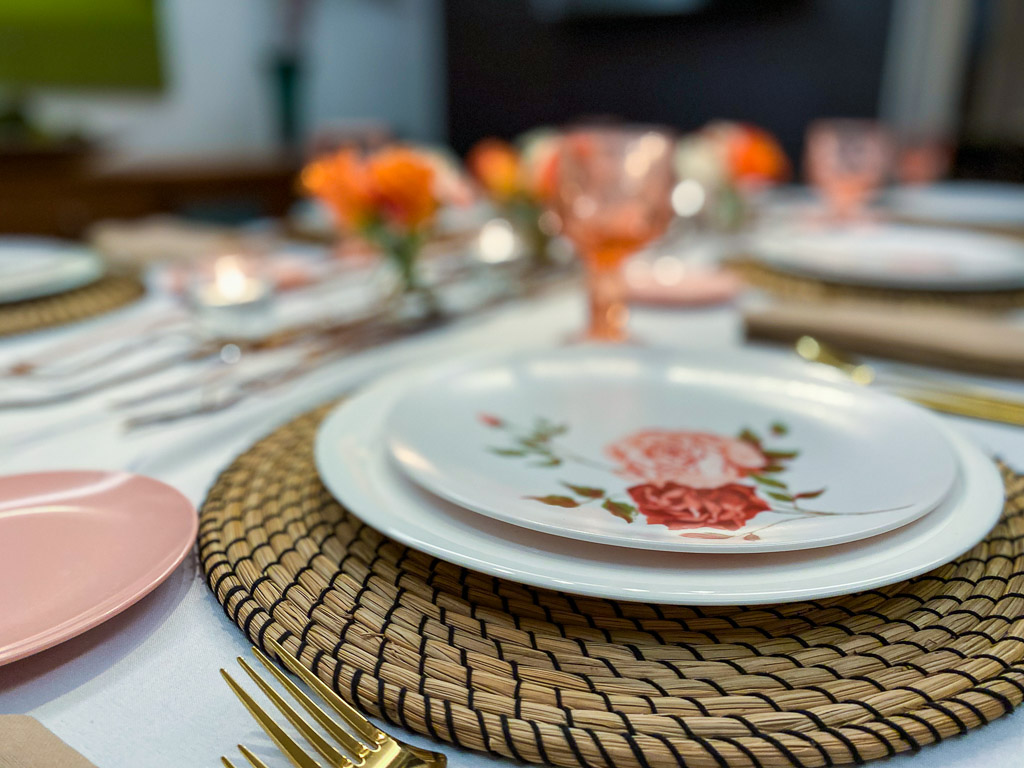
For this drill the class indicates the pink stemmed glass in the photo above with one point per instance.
(923, 159)
(847, 160)
(613, 196)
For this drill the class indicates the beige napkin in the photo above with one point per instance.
(26, 743)
(948, 338)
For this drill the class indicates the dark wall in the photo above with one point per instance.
(778, 63)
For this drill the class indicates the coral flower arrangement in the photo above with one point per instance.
(520, 181)
(390, 198)
(730, 160)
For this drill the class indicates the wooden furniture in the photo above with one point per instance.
(52, 196)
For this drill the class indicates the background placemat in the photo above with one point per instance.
(547, 677)
(801, 288)
(106, 294)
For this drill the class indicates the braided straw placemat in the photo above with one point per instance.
(546, 677)
(106, 294)
(801, 288)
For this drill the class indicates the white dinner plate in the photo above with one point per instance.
(963, 202)
(895, 256)
(31, 268)
(355, 465)
(656, 449)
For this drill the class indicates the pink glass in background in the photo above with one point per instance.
(613, 197)
(923, 159)
(847, 161)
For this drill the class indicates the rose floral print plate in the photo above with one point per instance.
(355, 464)
(688, 451)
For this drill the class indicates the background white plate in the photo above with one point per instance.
(895, 256)
(354, 464)
(458, 431)
(962, 202)
(34, 267)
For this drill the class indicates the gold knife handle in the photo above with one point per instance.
(951, 403)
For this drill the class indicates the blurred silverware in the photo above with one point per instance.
(959, 400)
(235, 392)
(63, 359)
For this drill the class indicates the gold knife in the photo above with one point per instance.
(970, 401)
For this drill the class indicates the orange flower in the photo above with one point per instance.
(541, 162)
(342, 183)
(403, 185)
(754, 156)
(394, 186)
(495, 164)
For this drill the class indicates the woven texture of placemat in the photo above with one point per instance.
(106, 294)
(547, 677)
(801, 288)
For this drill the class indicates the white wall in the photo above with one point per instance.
(926, 60)
(379, 59)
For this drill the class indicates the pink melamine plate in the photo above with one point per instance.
(77, 548)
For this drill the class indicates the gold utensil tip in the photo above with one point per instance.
(369, 747)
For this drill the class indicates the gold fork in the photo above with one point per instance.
(366, 747)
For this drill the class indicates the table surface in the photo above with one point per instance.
(143, 688)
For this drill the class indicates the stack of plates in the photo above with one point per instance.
(642, 474)
(31, 268)
(897, 256)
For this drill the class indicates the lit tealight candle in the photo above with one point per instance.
(232, 301)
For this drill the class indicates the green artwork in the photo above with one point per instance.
(80, 43)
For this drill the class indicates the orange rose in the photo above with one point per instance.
(341, 182)
(754, 156)
(495, 164)
(403, 185)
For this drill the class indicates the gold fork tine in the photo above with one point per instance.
(256, 762)
(355, 747)
(227, 763)
(285, 743)
(360, 724)
(320, 744)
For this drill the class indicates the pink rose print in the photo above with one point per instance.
(692, 459)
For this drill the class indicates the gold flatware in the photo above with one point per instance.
(366, 746)
(254, 761)
(958, 400)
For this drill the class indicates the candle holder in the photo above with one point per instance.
(233, 297)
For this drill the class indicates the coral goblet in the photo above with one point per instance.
(613, 196)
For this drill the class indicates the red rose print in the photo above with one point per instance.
(681, 506)
(490, 421)
(693, 459)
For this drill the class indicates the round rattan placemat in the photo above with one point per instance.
(546, 677)
(801, 288)
(106, 294)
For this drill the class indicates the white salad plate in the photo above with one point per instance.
(31, 268)
(902, 256)
(656, 449)
(354, 462)
(963, 202)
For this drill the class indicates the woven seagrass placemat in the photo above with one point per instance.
(546, 677)
(801, 288)
(106, 294)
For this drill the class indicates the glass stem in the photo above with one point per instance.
(608, 312)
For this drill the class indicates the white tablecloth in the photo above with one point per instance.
(143, 688)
